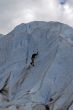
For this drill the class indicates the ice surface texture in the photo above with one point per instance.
(36, 67)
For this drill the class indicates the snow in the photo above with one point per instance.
(23, 85)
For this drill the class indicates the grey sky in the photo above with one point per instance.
(14, 12)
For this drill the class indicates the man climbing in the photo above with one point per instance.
(33, 58)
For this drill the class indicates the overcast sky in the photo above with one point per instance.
(14, 12)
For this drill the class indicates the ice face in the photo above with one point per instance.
(27, 81)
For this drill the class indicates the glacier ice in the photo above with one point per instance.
(49, 82)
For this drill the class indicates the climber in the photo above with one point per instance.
(33, 58)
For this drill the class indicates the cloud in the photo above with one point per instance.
(14, 12)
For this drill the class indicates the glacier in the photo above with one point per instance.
(43, 81)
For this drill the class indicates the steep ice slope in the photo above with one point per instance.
(50, 81)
